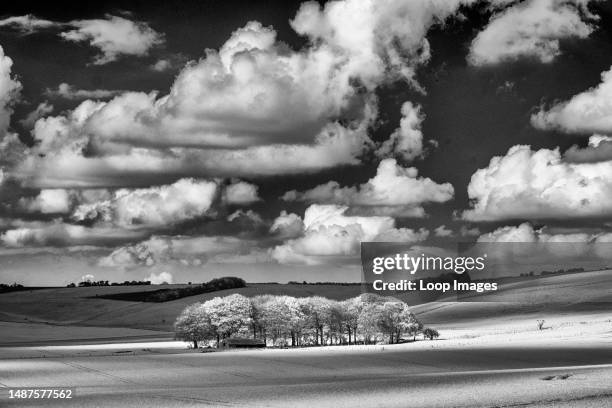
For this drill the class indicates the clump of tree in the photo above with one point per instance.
(13, 287)
(309, 321)
(430, 333)
(165, 295)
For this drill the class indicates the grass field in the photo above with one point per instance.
(79, 307)
(490, 354)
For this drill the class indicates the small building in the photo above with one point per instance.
(238, 342)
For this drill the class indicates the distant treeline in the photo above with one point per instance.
(165, 295)
(13, 287)
(17, 287)
(325, 283)
(106, 283)
(557, 272)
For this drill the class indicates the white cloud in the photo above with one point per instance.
(588, 112)
(185, 250)
(114, 36)
(599, 149)
(525, 233)
(532, 28)
(531, 244)
(64, 201)
(60, 234)
(377, 36)
(526, 184)
(246, 217)
(394, 191)
(88, 278)
(159, 279)
(329, 235)
(9, 91)
(241, 192)
(68, 91)
(253, 107)
(443, 231)
(469, 232)
(161, 65)
(287, 225)
(42, 110)
(27, 24)
(49, 202)
(61, 163)
(154, 206)
(407, 141)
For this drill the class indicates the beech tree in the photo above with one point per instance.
(368, 322)
(352, 309)
(431, 333)
(228, 315)
(194, 325)
(317, 309)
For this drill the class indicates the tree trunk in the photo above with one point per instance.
(195, 344)
(218, 340)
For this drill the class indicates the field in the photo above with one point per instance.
(490, 354)
(79, 306)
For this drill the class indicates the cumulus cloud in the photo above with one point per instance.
(68, 91)
(407, 141)
(329, 235)
(599, 149)
(61, 201)
(9, 91)
(161, 65)
(246, 217)
(160, 278)
(49, 202)
(376, 35)
(88, 278)
(531, 244)
(443, 231)
(588, 112)
(59, 234)
(241, 192)
(394, 190)
(168, 63)
(532, 28)
(287, 225)
(525, 233)
(42, 110)
(154, 206)
(185, 250)
(252, 107)
(469, 232)
(526, 184)
(114, 36)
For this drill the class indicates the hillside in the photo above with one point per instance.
(583, 292)
(79, 306)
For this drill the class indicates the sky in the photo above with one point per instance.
(186, 140)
